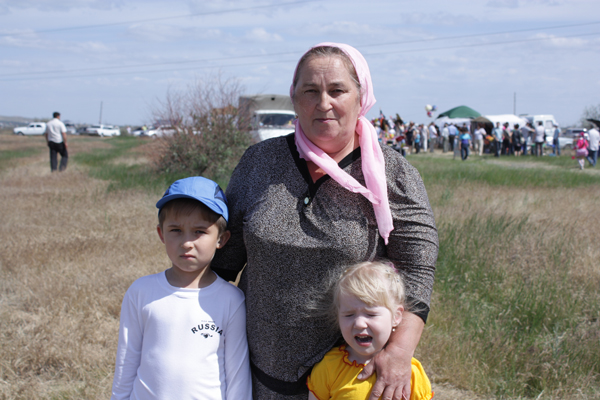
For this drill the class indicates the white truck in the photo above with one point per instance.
(267, 115)
(34, 128)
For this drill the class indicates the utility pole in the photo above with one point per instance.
(100, 122)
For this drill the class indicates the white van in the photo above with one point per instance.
(547, 120)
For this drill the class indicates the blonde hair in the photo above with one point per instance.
(372, 282)
(376, 283)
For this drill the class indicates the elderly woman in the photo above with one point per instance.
(311, 203)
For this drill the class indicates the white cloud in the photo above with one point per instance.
(261, 35)
(34, 41)
(562, 42)
(336, 28)
(503, 3)
(59, 5)
(155, 32)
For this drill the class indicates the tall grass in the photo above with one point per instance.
(515, 311)
(516, 304)
(126, 165)
(525, 325)
(550, 172)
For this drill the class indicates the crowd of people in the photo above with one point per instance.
(502, 139)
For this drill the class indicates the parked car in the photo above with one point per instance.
(103, 130)
(148, 131)
(574, 133)
(564, 142)
(34, 128)
(137, 131)
(71, 128)
(165, 131)
(160, 131)
(82, 130)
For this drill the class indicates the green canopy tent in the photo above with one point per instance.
(460, 112)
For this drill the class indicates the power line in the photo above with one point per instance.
(159, 18)
(486, 34)
(285, 61)
(483, 44)
(290, 53)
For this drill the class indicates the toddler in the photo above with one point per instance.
(367, 304)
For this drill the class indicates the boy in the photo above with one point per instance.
(182, 333)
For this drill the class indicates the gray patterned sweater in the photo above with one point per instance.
(292, 232)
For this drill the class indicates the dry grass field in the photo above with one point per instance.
(69, 248)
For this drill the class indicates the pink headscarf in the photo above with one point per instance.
(373, 165)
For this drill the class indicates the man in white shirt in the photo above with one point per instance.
(479, 134)
(594, 139)
(432, 137)
(445, 138)
(540, 138)
(497, 133)
(56, 138)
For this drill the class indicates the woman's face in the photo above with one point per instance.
(327, 102)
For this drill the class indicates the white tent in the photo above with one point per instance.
(510, 118)
(456, 121)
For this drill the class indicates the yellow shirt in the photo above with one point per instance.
(335, 377)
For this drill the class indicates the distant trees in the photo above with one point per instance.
(206, 137)
(590, 112)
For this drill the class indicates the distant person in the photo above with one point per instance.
(478, 139)
(506, 138)
(424, 137)
(452, 134)
(555, 140)
(581, 150)
(417, 139)
(526, 131)
(540, 138)
(433, 137)
(183, 331)
(498, 135)
(465, 143)
(445, 138)
(594, 138)
(56, 138)
(411, 132)
(367, 303)
(517, 140)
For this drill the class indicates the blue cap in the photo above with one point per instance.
(198, 188)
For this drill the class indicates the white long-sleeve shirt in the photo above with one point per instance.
(177, 343)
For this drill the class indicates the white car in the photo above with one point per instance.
(71, 128)
(35, 128)
(103, 130)
(564, 142)
(160, 131)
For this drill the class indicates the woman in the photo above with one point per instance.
(307, 205)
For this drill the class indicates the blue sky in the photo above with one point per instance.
(71, 55)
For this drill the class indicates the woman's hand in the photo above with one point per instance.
(393, 363)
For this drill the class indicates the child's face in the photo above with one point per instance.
(190, 240)
(365, 328)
